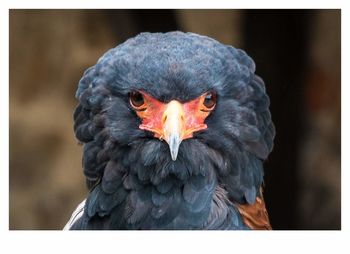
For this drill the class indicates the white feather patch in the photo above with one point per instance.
(78, 212)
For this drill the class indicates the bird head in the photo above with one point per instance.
(174, 103)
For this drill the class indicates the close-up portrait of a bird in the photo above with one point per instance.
(175, 128)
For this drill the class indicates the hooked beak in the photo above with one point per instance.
(173, 122)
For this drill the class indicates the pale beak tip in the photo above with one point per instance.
(174, 144)
(173, 156)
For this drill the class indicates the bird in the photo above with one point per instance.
(175, 128)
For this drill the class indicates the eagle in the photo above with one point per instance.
(175, 128)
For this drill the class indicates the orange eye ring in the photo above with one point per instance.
(137, 100)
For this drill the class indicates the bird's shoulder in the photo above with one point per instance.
(255, 215)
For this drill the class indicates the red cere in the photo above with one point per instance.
(152, 115)
(195, 117)
(192, 114)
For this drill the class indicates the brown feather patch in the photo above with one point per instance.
(255, 216)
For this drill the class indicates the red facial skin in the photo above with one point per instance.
(189, 116)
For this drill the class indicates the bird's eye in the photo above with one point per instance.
(209, 100)
(136, 99)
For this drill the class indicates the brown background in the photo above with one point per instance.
(297, 53)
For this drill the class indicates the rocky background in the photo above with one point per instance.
(297, 53)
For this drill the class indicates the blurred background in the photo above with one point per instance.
(297, 53)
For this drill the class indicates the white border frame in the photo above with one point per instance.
(169, 241)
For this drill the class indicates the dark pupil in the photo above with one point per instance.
(136, 99)
(209, 100)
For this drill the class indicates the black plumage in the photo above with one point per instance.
(134, 182)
